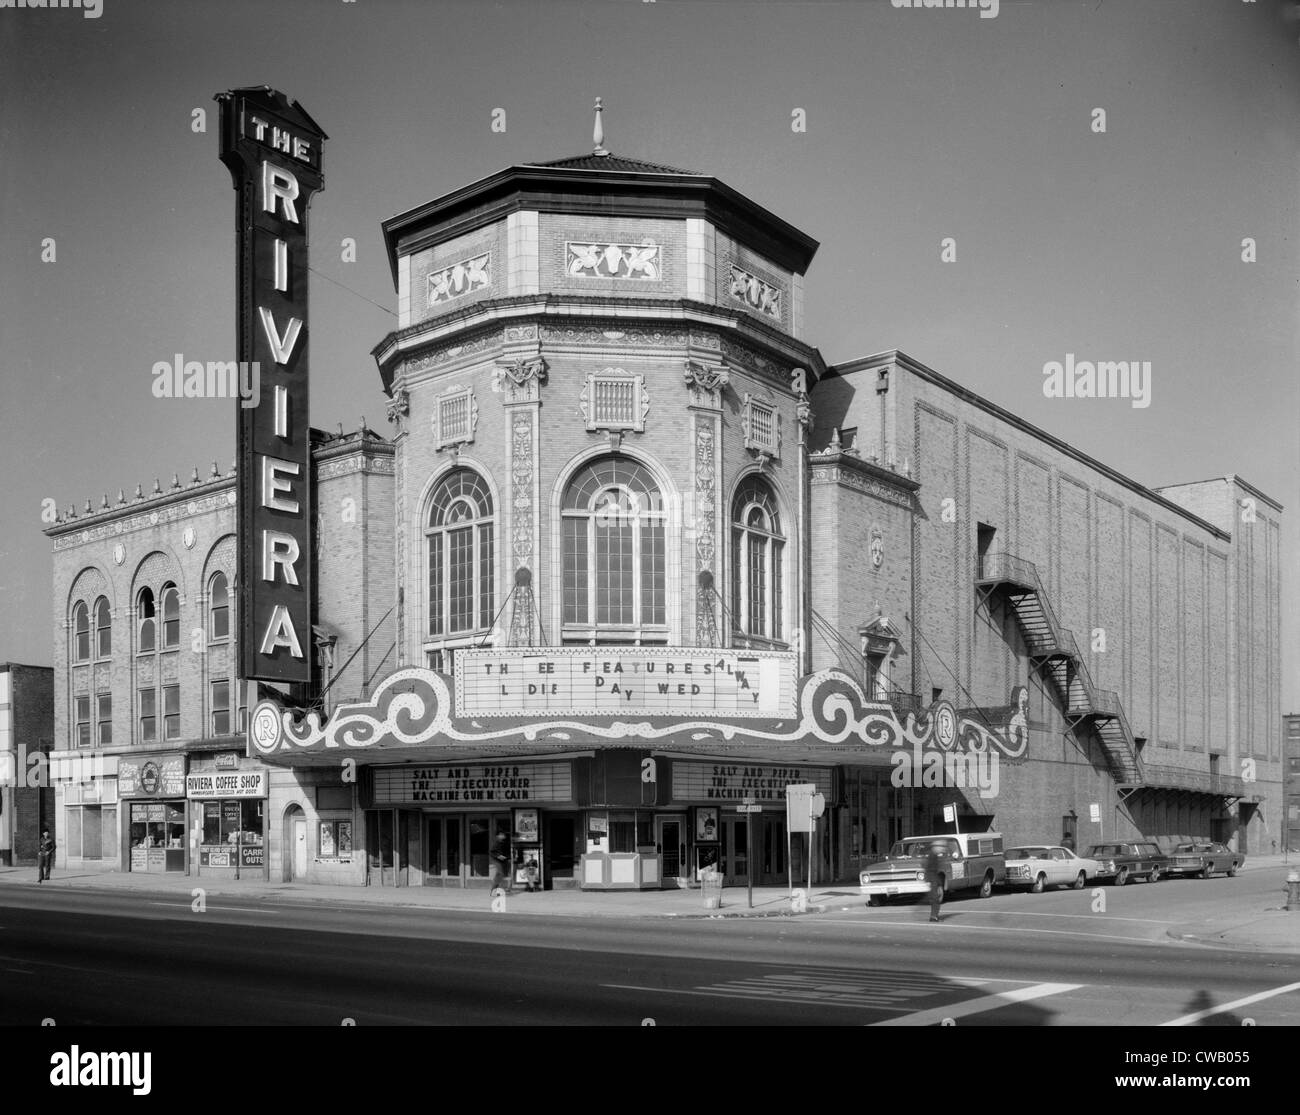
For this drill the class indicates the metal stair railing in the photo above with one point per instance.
(1047, 639)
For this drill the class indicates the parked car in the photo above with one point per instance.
(1039, 866)
(971, 860)
(1127, 860)
(1203, 859)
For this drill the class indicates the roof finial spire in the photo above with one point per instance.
(598, 132)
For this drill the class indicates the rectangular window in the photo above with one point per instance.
(575, 571)
(762, 430)
(486, 603)
(757, 617)
(335, 839)
(776, 590)
(221, 619)
(105, 702)
(615, 401)
(104, 636)
(148, 715)
(83, 722)
(435, 585)
(221, 708)
(453, 418)
(460, 578)
(171, 712)
(614, 571)
(622, 832)
(653, 571)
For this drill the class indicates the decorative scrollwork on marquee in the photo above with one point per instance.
(413, 707)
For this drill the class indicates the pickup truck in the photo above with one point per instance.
(1125, 860)
(970, 861)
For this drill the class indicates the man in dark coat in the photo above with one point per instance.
(934, 876)
(44, 856)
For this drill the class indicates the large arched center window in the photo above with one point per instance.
(461, 558)
(757, 546)
(614, 554)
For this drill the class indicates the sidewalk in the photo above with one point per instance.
(1264, 926)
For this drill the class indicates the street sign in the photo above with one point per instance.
(798, 803)
(949, 814)
(1094, 813)
(749, 809)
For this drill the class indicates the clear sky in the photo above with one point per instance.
(920, 125)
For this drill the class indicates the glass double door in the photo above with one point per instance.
(767, 858)
(458, 847)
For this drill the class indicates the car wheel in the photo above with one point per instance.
(1040, 884)
(875, 900)
(1081, 880)
(1122, 877)
(986, 887)
(1232, 870)
(1203, 873)
(1154, 877)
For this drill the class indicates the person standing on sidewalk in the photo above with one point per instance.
(501, 864)
(44, 856)
(934, 876)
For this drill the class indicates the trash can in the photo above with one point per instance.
(711, 884)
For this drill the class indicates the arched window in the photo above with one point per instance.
(461, 558)
(81, 632)
(612, 530)
(103, 629)
(756, 567)
(218, 607)
(144, 610)
(171, 614)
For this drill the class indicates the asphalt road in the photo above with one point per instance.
(110, 958)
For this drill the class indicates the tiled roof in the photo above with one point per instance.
(613, 162)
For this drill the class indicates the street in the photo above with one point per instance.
(87, 957)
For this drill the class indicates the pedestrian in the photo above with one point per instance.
(501, 864)
(44, 856)
(934, 876)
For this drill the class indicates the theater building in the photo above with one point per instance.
(634, 559)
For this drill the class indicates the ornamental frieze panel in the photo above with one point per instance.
(147, 520)
(624, 338)
(758, 295)
(414, 708)
(850, 478)
(461, 278)
(445, 353)
(343, 466)
(601, 260)
(521, 487)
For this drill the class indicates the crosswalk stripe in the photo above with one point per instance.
(991, 1001)
(1189, 1019)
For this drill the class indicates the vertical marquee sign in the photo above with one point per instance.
(273, 151)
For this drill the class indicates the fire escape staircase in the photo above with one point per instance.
(1052, 648)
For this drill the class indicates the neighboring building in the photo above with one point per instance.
(636, 554)
(26, 734)
(1291, 732)
(150, 717)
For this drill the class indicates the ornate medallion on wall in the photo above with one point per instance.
(119, 554)
(877, 547)
(189, 537)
